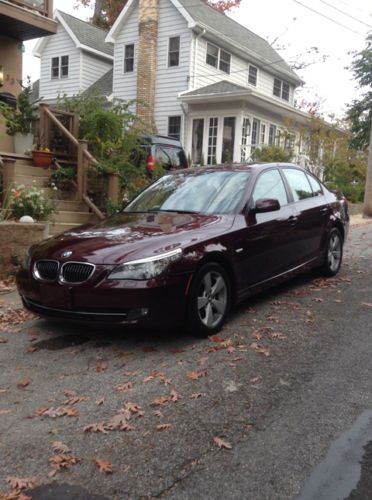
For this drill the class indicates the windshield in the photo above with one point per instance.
(206, 192)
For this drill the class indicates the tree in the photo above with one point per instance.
(105, 12)
(360, 110)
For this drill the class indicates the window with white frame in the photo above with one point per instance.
(174, 127)
(212, 141)
(252, 75)
(255, 134)
(246, 133)
(129, 58)
(272, 135)
(59, 67)
(174, 51)
(263, 133)
(218, 58)
(281, 89)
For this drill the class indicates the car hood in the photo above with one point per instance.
(130, 236)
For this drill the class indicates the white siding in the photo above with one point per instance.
(171, 81)
(92, 68)
(206, 74)
(56, 46)
(125, 84)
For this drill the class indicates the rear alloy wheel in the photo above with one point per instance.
(333, 255)
(209, 300)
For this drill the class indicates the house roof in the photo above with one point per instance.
(103, 86)
(85, 35)
(222, 87)
(200, 16)
(233, 32)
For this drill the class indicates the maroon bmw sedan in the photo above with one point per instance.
(188, 247)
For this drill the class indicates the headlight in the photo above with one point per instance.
(26, 264)
(144, 269)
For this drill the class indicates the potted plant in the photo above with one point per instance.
(19, 120)
(42, 157)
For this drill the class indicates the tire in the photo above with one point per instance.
(209, 301)
(333, 253)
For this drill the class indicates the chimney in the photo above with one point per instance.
(147, 55)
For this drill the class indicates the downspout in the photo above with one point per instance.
(195, 55)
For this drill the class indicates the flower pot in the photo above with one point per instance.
(23, 143)
(42, 158)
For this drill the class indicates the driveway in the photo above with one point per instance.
(89, 414)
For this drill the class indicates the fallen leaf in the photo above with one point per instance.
(221, 443)
(3, 341)
(103, 465)
(22, 496)
(160, 401)
(163, 427)
(18, 483)
(196, 375)
(202, 361)
(123, 387)
(100, 427)
(135, 409)
(255, 380)
(63, 461)
(59, 447)
(157, 413)
(197, 395)
(74, 400)
(149, 349)
(100, 401)
(23, 383)
(174, 396)
(31, 349)
(101, 368)
(216, 338)
(366, 304)
(5, 412)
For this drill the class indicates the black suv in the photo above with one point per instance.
(162, 150)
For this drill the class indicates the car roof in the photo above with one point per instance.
(161, 139)
(239, 167)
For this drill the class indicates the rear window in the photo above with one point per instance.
(170, 156)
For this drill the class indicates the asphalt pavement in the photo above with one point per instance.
(278, 406)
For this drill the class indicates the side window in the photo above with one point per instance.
(298, 183)
(174, 51)
(270, 185)
(129, 58)
(315, 184)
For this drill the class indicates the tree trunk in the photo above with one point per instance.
(98, 5)
(367, 209)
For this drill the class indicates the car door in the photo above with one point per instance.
(310, 209)
(264, 246)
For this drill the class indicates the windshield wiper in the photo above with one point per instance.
(175, 210)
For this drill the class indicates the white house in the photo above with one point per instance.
(74, 59)
(217, 86)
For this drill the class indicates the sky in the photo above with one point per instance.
(337, 28)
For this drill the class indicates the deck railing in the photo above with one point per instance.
(43, 7)
(49, 116)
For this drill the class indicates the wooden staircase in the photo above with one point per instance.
(69, 213)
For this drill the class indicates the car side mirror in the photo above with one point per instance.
(266, 205)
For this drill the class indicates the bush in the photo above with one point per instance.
(272, 154)
(354, 192)
(28, 201)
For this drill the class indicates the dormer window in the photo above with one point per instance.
(281, 89)
(252, 75)
(218, 58)
(60, 66)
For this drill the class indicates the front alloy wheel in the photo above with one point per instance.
(209, 300)
(334, 250)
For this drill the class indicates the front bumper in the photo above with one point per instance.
(148, 304)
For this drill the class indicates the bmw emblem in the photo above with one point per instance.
(67, 254)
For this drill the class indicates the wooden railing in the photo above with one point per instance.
(49, 116)
(43, 7)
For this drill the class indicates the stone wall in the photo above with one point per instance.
(15, 239)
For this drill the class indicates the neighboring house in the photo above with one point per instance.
(19, 21)
(73, 59)
(203, 78)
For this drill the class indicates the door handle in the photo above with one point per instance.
(293, 219)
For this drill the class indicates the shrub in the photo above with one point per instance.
(28, 201)
(272, 154)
